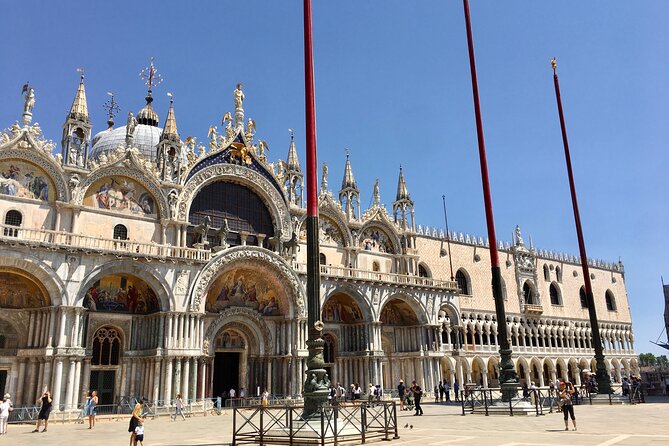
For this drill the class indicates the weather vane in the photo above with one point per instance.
(151, 76)
(554, 64)
(292, 134)
(81, 72)
(112, 108)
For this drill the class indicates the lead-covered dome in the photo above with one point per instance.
(146, 138)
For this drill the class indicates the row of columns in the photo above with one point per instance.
(43, 322)
(184, 330)
(162, 379)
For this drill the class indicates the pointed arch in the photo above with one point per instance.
(412, 302)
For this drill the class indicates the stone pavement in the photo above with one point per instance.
(643, 424)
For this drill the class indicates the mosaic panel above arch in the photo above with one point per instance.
(328, 234)
(250, 287)
(121, 194)
(121, 293)
(398, 312)
(375, 239)
(342, 308)
(22, 179)
(21, 290)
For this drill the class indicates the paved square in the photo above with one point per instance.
(644, 424)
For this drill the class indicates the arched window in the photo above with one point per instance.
(120, 232)
(583, 297)
(240, 206)
(322, 259)
(528, 293)
(547, 273)
(422, 271)
(13, 218)
(555, 295)
(610, 301)
(463, 282)
(558, 274)
(106, 347)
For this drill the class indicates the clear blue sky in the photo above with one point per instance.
(393, 85)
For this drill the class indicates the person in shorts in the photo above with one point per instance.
(401, 392)
(46, 402)
(91, 404)
(139, 432)
(566, 390)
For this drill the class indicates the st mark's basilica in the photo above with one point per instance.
(138, 264)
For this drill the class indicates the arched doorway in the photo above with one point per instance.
(107, 349)
(343, 315)
(400, 326)
(230, 350)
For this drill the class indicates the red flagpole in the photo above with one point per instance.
(315, 395)
(508, 377)
(603, 379)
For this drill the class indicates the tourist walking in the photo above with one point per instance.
(5, 408)
(417, 395)
(91, 404)
(45, 410)
(401, 391)
(178, 408)
(135, 419)
(447, 391)
(264, 399)
(371, 391)
(442, 389)
(456, 390)
(566, 391)
(357, 392)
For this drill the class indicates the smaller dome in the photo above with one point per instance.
(148, 116)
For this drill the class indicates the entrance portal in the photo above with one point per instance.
(226, 372)
(103, 382)
(3, 380)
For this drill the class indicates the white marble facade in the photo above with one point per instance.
(106, 280)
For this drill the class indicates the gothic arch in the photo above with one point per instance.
(140, 270)
(246, 321)
(272, 198)
(386, 226)
(329, 209)
(131, 172)
(248, 255)
(43, 273)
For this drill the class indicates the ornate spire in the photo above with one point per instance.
(170, 131)
(292, 163)
(402, 191)
(79, 109)
(112, 108)
(349, 195)
(147, 115)
(348, 182)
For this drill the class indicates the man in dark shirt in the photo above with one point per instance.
(417, 394)
(401, 390)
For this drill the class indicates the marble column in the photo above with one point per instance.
(57, 383)
(185, 383)
(61, 328)
(70, 389)
(168, 381)
(156, 379)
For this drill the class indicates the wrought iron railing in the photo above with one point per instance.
(333, 424)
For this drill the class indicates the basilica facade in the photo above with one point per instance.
(141, 265)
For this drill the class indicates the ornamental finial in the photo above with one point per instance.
(554, 65)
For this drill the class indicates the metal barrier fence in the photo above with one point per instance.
(544, 399)
(334, 424)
